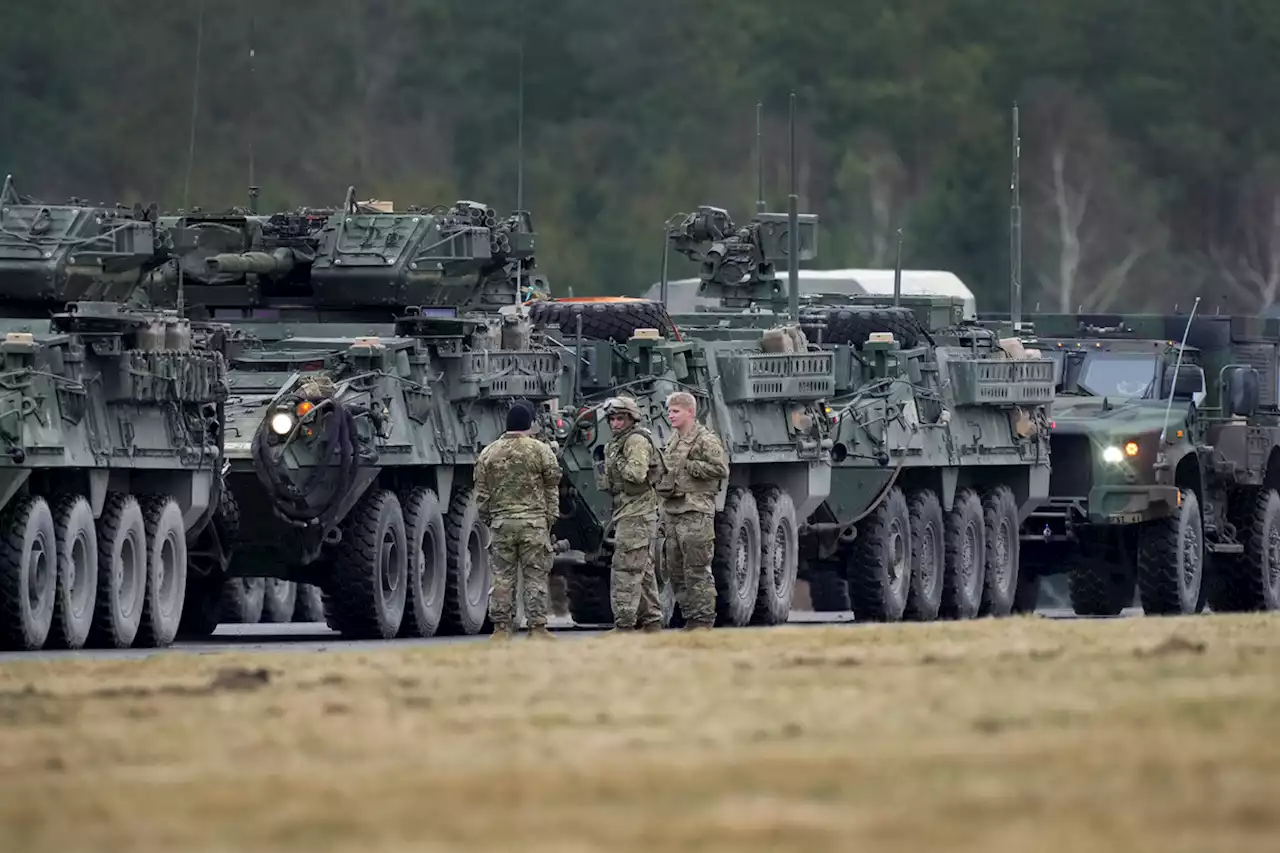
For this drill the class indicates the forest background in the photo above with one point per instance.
(1150, 163)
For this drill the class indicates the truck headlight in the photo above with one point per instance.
(281, 423)
(1112, 455)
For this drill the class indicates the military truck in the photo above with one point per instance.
(1164, 434)
(111, 425)
(363, 444)
(896, 461)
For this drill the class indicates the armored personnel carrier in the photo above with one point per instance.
(1164, 434)
(245, 276)
(111, 425)
(893, 463)
(364, 439)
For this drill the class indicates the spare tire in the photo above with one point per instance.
(604, 320)
(854, 325)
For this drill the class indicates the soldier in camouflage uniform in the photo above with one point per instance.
(517, 481)
(632, 466)
(696, 468)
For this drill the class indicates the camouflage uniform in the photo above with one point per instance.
(517, 482)
(696, 467)
(632, 466)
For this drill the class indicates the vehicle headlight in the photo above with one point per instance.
(281, 423)
(1112, 455)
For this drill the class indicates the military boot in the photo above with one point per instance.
(651, 627)
(539, 632)
(699, 625)
(502, 633)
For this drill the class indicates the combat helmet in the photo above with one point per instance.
(623, 405)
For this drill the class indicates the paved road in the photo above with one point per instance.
(317, 637)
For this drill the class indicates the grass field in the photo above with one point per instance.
(996, 735)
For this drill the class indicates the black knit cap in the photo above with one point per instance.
(520, 416)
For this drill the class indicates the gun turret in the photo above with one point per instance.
(460, 257)
(52, 254)
(738, 263)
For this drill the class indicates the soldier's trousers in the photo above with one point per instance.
(519, 547)
(633, 583)
(691, 541)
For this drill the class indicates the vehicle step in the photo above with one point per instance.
(1224, 548)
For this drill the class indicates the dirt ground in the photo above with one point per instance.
(995, 735)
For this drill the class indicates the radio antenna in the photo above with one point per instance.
(191, 143)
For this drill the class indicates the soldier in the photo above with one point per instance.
(632, 466)
(517, 481)
(696, 468)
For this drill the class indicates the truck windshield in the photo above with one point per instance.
(1118, 375)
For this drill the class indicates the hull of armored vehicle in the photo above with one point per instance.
(111, 465)
(864, 441)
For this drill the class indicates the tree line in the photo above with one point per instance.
(1150, 169)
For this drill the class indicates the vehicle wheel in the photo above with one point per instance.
(469, 570)
(28, 574)
(428, 558)
(1251, 581)
(966, 547)
(279, 599)
(828, 590)
(854, 325)
(77, 538)
(735, 564)
(1171, 560)
(202, 609)
(928, 557)
(589, 600)
(122, 573)
(610, 320)
(1097, 587)
(166, 571)
(879, 567)
(310, 604)
(1027, 596)
(779, 556)
(369, 570)
(1000, 522)
(243, 600)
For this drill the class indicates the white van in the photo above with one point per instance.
(683, 298)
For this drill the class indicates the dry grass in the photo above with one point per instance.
(1018, 735)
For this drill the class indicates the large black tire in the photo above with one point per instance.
(855, 325)
(1097, 587)
(735, 564)
(1000, 521)
(1251, 581)
(243, 600)
(310, 604)
(279, 599)
(368, 572)
(589, 600)
(880, 562)
(470, 572)
(607, 321)
(928, 556)
(829, 591)
(966, 557)
(77, 572)
(428, 560)
(166, 571)
(202, 610)
(779, 556)
(1171, 560)
(122, 573)
(28, 574)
